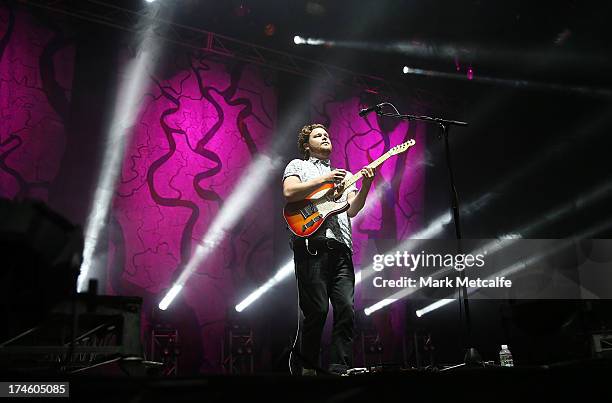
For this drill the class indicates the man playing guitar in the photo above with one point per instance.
(323, 260)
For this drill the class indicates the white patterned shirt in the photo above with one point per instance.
(337, 226)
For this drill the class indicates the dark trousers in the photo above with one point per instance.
(325, 273)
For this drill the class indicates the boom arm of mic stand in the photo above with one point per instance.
(423, 118)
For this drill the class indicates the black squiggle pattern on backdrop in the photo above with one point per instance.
(172, 202)
(54, 92)
(208, 194)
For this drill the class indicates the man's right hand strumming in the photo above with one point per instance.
(295, 190)
(336, 176)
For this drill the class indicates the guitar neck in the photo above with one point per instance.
(372, 164)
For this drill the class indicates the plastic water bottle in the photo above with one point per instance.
(505, 357)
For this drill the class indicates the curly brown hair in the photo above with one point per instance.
(303, 137)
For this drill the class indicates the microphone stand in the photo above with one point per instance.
(472, 357)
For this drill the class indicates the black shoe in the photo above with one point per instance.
(338, 369)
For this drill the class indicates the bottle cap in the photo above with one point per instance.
(504, 346)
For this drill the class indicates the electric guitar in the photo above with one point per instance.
(306, 216)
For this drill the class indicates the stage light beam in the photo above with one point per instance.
(244, 195)
(438, 304)
(118, 136)
(514, 83)
(174, 291)
(380, 304)
(280, 275)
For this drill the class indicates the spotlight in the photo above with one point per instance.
(298, 40)
(163, 305)
(378, 305)
(412, 70)
(434, 306)
(283, 273)
(150, 1)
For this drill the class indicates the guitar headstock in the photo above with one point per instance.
(400, 148)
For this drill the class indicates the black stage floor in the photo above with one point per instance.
(586, 381)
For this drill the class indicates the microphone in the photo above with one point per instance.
(365, 111)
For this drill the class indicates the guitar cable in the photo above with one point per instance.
(308, 250)
(297, 333)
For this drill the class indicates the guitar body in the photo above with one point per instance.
(305, 217)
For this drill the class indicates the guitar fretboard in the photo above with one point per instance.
(372, 164)
(394, 151)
